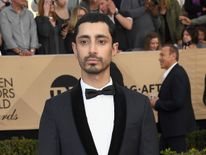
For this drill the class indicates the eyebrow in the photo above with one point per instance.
(97, 36)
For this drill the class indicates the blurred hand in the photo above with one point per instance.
(112, 7)
(26, 53)
(153, 8)
(203, 41)
(185, 20)
(47, 4)
(153, 100)
(64, 30)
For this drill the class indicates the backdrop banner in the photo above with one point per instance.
(26, 82)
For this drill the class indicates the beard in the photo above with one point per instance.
(93, 68)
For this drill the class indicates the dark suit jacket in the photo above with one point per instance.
(64, 129)
(175, 112)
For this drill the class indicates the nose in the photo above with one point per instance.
(92, 48)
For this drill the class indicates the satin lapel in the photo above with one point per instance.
(119, 121)
(81, 121)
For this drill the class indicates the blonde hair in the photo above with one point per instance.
(74, 17)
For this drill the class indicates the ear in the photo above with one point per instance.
(115, 48)
(74, 47)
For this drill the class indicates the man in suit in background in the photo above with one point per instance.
(98, 116)
(174, 105)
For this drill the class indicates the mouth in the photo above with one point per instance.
(92, 61)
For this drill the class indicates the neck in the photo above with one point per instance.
(171, 65)
(97, 81)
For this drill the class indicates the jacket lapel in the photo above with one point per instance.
(83, 127)
(119, 121)
(81, 121)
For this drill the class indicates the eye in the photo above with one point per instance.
(83, 42)
(101, 41)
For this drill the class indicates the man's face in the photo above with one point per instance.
(201, 35)
(103, 6)
(166, 58)
(94, 48)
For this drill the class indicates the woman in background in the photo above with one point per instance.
(49, 29)
(77, 13)
(171, 28)
(152, 42)
(189, 38)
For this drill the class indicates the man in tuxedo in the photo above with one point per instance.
(98, 116)
(174, 107)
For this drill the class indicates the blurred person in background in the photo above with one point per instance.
(122, 20)
(62, 11)
(49, 28)
(90, 5)
(174, 104)
(145, 20)
(171, 28)
(63, 15)
(4, 3)
(18, 29)
(195, 8)
(189, 38)
(195, 21)
(181, 3)
(34, 5)
(152, 42)
(201, 36)
(76, 14)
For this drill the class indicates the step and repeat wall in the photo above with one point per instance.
(26, 82)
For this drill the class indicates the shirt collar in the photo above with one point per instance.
(86, 86)
(168, 70)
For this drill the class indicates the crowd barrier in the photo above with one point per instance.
(26, 82)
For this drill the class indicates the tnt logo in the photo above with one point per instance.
(62, 83)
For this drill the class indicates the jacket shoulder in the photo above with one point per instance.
(59, 99)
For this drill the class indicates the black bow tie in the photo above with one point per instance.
(90, 93)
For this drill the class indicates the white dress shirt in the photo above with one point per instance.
(100, 117)
(168, 70)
